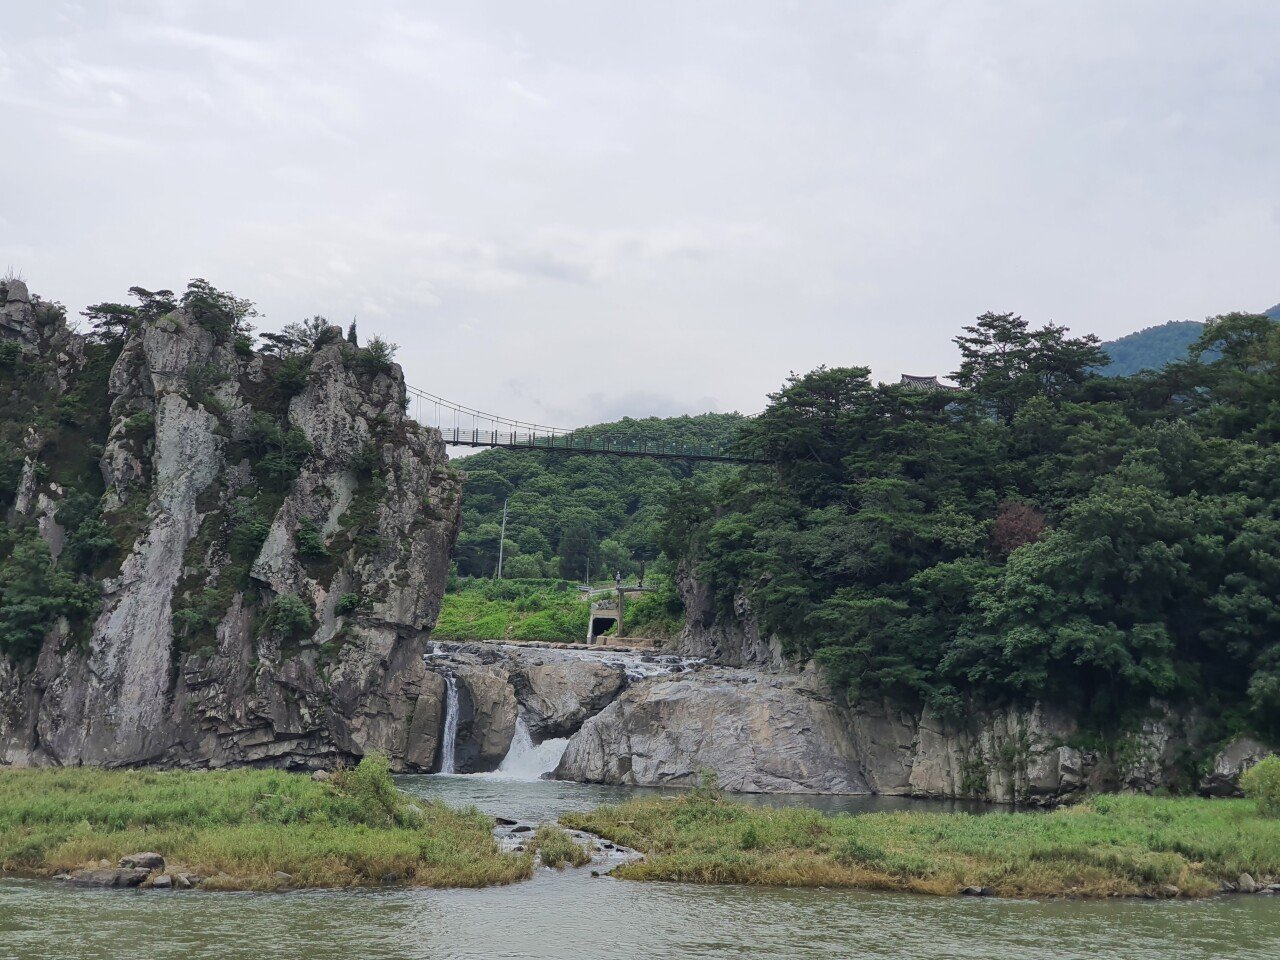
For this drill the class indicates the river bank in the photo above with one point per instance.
(1108, 846)
(242, 830)
(571, 915)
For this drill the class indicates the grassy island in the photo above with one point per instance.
(238, 829)
(1109, 845)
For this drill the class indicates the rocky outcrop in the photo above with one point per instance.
(552, 691)
(757, 734)
(558, 696)
(734, 641)
(1223, 780)
(303, 652)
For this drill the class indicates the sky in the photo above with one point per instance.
(568, 212)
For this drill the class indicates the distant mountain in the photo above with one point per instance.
(1151, 348)
(1274, 312)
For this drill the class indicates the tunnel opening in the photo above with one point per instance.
(600, 624)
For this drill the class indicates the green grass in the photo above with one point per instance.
(1124, 845)
(557, 849)
(509, 610)
(239, 827)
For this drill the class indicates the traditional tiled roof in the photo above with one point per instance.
(924, 383)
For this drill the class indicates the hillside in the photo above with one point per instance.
(1150, 348)
(565, 511)
(1044, 537)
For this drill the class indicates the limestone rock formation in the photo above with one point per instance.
(553, 691)
(280, 550)
(758, 734)
(1231, 761)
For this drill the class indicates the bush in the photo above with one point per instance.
(1261, 782)
(556, 848)
(377, 356)
(370, 784)
(348, 604)
(311, 542)
(287, 618)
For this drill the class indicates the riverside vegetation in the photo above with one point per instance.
(1043, 534)
(1107, 845)
(240, 829)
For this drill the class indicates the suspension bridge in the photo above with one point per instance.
(463, 426)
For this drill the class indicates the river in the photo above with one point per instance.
(572, 916)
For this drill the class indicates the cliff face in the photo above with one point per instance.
(766, 725)
(273, 541)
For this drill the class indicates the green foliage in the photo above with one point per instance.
(556, 848)
(217, 310)
(1261, 783)
(243, 826)
(34, 594)
(290, 377)
(513, 610)
(1112, 845)
(1151, 348)
(310, 542)
(568, 511)
(350, 603)
(659, 614)
(287, 618)
(278, 452)
(10, 472)
(10, 356)
(1044, 533)
(377, 356)
(374, 792)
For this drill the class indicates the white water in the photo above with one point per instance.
(450, 724)
(526, 760)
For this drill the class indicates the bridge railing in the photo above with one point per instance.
(571, 442)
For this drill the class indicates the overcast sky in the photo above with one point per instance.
(571, 211)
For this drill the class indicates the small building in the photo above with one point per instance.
(928, 384)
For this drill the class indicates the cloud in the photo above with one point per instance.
(584, 210)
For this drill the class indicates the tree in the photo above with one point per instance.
(34, 595)
(1005, 363)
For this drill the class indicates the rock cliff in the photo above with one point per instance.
(270, 539)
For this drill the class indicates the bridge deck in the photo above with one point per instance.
(569, 443)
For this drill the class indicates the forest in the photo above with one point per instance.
(573, 516)
(1044, 532)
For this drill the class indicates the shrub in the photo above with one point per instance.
(290, 377)
(349, 603)
(556, 848)
(1261, 782)
(377, 356)
(370, 784)
(140, 424)
(311, 542)
(287, 618)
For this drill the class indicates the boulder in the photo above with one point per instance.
(1246, 884)
(423, 741)
(558, 696)
(1231, 761)
(756, 733)
(321, 776)
(162, 882)
(486, 717)
(110, 877)
(152, 861)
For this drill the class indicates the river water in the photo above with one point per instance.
(572, 916)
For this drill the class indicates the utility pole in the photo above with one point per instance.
(502, 537)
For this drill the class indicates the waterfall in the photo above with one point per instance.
(526, 760)
(450, 740)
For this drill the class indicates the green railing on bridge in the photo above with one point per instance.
(571, 442)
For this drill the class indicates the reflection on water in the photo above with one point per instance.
(571, 916)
